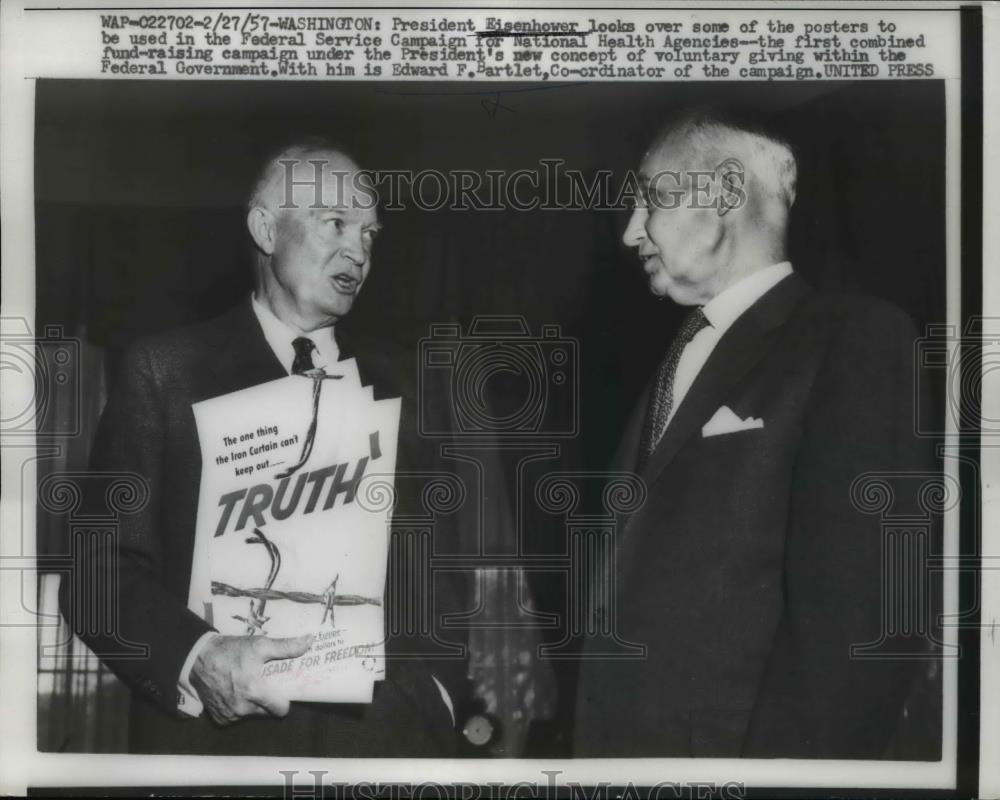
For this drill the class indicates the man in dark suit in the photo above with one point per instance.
(313, 223)
(749, 573)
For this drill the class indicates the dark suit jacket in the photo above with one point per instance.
(748, 573)
(148, 428)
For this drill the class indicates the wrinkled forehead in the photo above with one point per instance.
(677, 162)
(673, 152)
(321, 180)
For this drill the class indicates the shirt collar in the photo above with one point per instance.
(727, 306)
(279, 337)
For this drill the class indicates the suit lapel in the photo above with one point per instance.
(349, 346)
(346, 348)
(627, 454)
(740, 348)
(245, 358)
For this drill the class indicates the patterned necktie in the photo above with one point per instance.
(303, 355)
(661, 399)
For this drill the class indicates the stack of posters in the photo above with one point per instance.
(286, 543)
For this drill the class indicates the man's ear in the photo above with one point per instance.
(731, 177)
(261, 224)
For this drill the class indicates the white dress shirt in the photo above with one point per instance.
(279, 337)
(721, 312)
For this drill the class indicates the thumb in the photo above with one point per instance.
(274, 702)
(271, 649)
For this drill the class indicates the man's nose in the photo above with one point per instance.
(635, 231)
(353, 247)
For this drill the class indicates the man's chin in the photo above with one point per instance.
(679, 294)
(660, 288)
(339, 304)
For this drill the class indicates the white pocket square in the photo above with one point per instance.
(725, 421)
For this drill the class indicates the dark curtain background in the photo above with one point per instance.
(139, 191)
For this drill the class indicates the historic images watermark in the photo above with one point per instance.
(547, 186)
(547, 365)
(35, 368)
(312, 785)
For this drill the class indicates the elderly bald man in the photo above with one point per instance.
(313, 221)
(748, 575)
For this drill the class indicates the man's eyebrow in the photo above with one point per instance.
(344, 211)
(338, 210)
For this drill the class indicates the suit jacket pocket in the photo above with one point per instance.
(718, 733)
(741, 448)
(750, 434)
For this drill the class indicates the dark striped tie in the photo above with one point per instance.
(661, 398)
(303, 355)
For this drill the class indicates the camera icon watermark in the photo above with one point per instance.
(540, 375)
(959, 366)
(36, 370)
